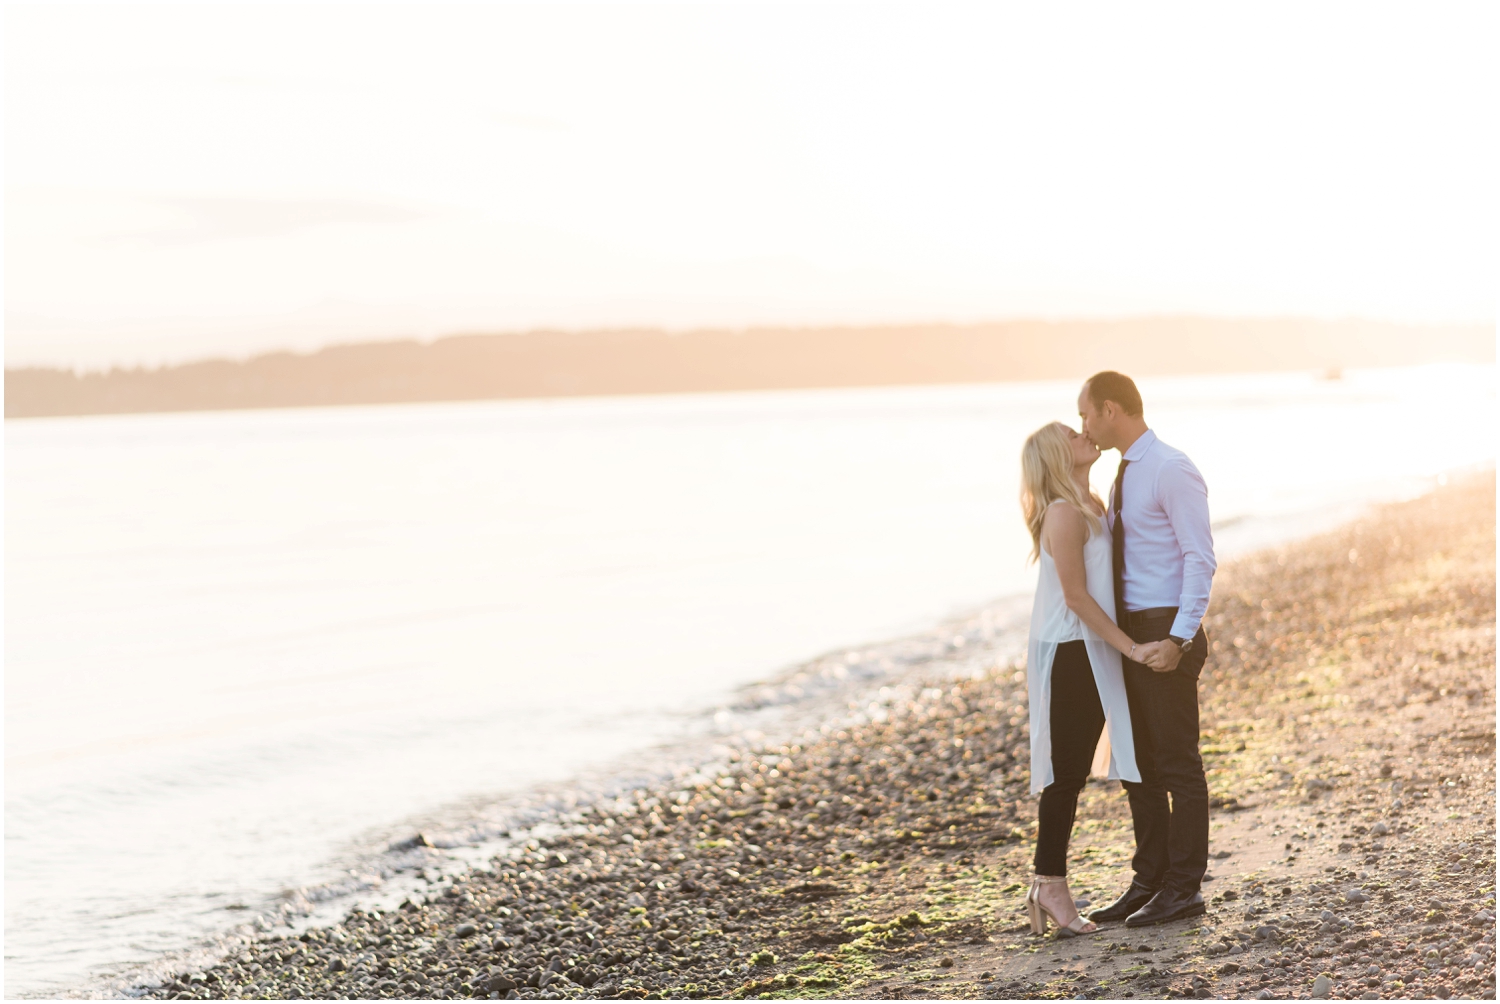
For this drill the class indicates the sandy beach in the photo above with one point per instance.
(1348, 711)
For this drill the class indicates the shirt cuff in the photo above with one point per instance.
(1184, 627)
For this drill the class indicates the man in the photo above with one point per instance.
(1164, 567)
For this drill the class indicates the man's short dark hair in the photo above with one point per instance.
(1116, 387)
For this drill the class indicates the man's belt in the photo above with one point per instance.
(1135, 618)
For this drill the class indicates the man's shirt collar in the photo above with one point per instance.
(1140, 446)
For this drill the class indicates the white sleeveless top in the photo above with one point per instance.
(1052, 624)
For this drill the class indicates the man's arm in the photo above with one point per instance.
(1184, 498)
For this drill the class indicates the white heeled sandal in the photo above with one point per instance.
(1039, 914)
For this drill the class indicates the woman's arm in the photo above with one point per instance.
(1064, 532)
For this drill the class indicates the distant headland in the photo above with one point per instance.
(643, 361)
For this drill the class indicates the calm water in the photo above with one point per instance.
(242, 646)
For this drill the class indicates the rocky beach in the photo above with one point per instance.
(1348, 730)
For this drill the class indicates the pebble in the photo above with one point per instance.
(1356, 896)
(1322, 986)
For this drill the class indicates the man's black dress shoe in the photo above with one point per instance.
(1168, 905)
(1135, 897)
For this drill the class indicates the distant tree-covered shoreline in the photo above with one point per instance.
(563, 364)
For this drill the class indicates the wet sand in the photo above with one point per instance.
(1349, 736)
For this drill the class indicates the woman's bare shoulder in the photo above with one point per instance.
(1064, 518)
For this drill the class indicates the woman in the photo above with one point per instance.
(1076, 685)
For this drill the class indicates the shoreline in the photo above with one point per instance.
(364, 872)
(792, 705)
(771, 878)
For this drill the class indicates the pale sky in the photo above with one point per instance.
(184, 182)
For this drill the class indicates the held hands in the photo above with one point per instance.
(1161, 656)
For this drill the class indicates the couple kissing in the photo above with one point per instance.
(1115, 650)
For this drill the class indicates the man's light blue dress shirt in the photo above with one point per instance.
(1169, 547)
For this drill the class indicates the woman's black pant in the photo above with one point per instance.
(1077, 719)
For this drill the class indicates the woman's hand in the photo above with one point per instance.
(1155, 655)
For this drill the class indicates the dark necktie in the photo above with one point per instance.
(1117, 544)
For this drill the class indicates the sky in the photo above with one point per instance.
(220, 180)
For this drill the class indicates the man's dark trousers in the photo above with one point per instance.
(1171, 839)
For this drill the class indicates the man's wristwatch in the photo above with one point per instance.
(1185, 645)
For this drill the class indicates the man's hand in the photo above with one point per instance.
(1164, 656)
(1146, 651)
(1161, 656)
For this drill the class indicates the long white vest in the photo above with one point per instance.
(1052, 623)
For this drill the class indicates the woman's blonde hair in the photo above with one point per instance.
(1047, 476)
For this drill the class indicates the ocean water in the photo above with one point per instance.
(244, 648)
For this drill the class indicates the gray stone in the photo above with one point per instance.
(1356, 896)
(411, 843)
(1322, 986)
(1328, 917)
